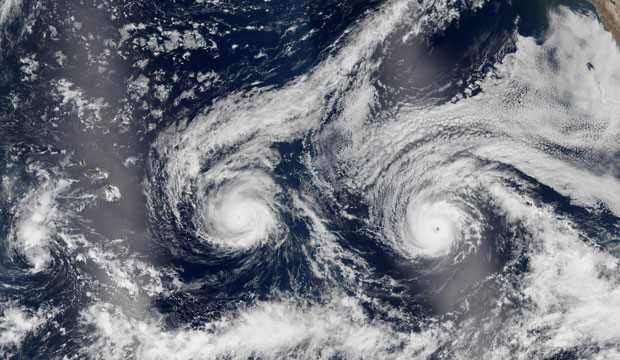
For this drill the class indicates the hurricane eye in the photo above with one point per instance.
(239, 213)
(431, 228)
(311, 179)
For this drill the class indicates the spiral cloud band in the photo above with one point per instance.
(240, 213)
(298, 180)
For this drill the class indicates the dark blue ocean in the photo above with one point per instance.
(349, 179)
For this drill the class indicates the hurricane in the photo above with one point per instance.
(388, 179)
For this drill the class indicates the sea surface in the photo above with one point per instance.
(337, 179)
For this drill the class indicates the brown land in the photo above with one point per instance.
(609, 12)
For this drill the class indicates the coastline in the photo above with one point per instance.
(609, 12)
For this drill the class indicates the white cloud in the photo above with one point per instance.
(37, 220)
(17, 322)
(268, 330)
(8, 9)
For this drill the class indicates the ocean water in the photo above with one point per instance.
(399, 179)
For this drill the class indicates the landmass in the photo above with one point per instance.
(609, 12)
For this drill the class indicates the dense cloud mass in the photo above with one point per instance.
(326, 179)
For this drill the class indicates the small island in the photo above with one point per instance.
(609, 12)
